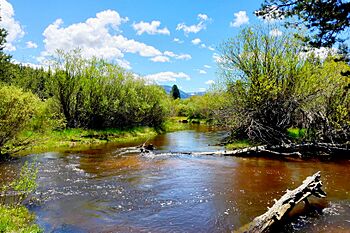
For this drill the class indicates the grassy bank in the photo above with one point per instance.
(239, 144)
(17, 219)
(69, 138)
(174, 124)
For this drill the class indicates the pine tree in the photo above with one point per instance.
(4, 58)
(325, 19)
(175, 93)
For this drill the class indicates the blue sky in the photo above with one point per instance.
(169, 42)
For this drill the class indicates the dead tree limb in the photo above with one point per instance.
(263, 223)
(280, 151)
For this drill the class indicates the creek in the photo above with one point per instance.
(100, 190)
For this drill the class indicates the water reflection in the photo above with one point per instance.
(101, 191)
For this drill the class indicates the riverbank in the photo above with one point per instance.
(17, 219)
(58, 140)
(239, 144)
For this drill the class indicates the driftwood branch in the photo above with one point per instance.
(263, 223)
(280, 151)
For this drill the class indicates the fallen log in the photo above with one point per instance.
(263, 223)
(249, 151)
(304, 150)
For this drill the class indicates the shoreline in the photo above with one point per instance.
(58, 140)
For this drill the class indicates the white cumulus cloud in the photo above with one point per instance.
(321, 53)
(210, 82)
(217, 58)
(196, 41)
(168, 54)
(183, 57)
(150, 28)
(241, 18)
(13, 27)
(195, 28)
(203, 17)
(275, 32)
(160, 59)
(202, 71)
(167, 76)
(207, 66)
(211, 48)
(31, 45)
(177, 40)
(178, 56)
(99, 36)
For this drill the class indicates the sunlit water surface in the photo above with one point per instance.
(99, 190)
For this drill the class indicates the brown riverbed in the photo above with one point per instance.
(99, 190)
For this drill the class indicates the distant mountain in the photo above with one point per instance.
(183, 95)
(200, 93)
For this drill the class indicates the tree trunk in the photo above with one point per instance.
(263, 223)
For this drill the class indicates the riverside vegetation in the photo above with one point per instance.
(75, 101)
(273, 90)
(14, 216)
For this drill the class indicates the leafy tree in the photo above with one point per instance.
(94, 94)
(16, 109)
(272, 88)
(66, 83)
(175, 93)
(325, 18)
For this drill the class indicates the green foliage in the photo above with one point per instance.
(29, 79)
(326, 19)
(62, 139)
(296, 133)
(47, 117)
(239, 144)
(26, 182)
(21, 187)
(200, 107)
(273, 88)
(14, 217)
(261, 72)
(95, 94)
(4, 58)
(17, 219)
(175, 124)
(175, 92)
(17, 108)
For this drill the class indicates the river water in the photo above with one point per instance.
(100, 190)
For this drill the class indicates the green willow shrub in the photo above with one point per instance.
(47, 117)
(16, 110)
(200, 107)
(274, 86)
(328, 110)
(94, 94)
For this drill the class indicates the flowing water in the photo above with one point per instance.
(100, 190)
